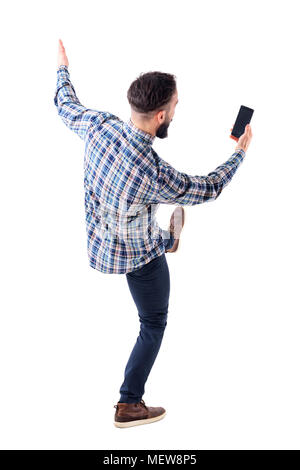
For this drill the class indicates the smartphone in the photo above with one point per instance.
(243, 118)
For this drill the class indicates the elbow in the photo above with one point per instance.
(213, 190)
(55, 100)
(218, 189)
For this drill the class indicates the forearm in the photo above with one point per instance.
(180, 188)
(74, 115)
(65, 92)
(218, 179)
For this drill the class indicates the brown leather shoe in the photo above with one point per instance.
(134, 414)
(175, 227)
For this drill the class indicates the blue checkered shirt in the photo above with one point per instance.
(125, 180)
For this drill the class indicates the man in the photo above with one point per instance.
(125, 181)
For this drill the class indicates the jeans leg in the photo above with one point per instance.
(150, 289)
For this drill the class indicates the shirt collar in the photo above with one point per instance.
(139, 133)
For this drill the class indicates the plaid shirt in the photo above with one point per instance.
(125, 181)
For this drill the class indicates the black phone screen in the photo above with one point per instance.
(243, 118)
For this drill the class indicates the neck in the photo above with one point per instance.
(146, 127)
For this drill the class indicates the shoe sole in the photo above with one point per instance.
(137, 422)
(176, 243)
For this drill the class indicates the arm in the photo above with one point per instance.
(175, 187)
(72, 112)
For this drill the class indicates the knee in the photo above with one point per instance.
(158, 320)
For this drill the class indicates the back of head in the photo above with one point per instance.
(151, 92)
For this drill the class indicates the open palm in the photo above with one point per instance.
(62, 56)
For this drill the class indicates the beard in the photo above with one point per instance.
(162, 131)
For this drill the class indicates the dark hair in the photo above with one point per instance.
(151, 91)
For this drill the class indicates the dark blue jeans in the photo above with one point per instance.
(150, 289)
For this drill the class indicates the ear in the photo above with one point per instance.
(161, 116)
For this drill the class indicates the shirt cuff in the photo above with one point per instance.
(61, 67)
(241, 151)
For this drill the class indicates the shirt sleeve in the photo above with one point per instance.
(175, 187)
(77, 117)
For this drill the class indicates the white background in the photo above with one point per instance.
(228, 368)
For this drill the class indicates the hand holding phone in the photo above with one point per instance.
(241, 131)
(243, 118)
(245, 139)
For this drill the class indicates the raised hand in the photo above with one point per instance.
(62, 56)
(245, 139)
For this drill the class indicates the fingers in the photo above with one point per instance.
(62, 56)
(61, 46)
(249, 131)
